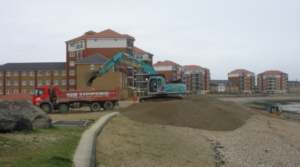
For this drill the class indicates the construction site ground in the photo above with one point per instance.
(199, 131)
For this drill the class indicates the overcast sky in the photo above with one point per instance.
(221, 35)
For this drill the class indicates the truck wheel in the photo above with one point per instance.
(95, 107)
(46, 107)
(63, 108)
(108, 105)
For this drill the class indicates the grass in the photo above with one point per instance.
(52, 147)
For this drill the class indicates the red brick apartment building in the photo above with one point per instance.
(272, 81)
(243, 79)
(18, 78)
(196, 78)
(169, 69)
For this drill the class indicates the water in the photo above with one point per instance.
(291, 107)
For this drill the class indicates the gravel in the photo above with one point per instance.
(262, 142)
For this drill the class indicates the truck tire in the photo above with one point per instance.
(108, 105)
(95, 107)
(63, 108)
(46, 107)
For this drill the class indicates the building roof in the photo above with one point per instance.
(165, 63)
(241, 72)
(33, 66)
(193, 67)
(94, 59)
(108, 33)
(139, 51)
(272, 72)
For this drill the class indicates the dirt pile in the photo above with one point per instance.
(21, 115)
(196, 112)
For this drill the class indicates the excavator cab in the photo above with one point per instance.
(155, 85)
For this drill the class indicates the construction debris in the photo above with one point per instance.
(21, 115)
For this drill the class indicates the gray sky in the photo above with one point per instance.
(221, 35)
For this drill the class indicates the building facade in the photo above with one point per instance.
(243, 79)
(196, 78)
(83, 54)
(22, 78)
(272, 81)
(106, 43)
(169, 69)
(294, 87)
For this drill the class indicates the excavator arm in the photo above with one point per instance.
(116, 59)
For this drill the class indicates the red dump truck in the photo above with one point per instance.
(51, 98)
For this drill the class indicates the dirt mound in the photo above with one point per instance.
(21, 115)
(196, 112)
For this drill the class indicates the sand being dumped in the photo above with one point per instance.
(206, 113)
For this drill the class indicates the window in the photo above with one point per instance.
(72, 72)
(16, 83)
(92, 67)
(16, 91)
(39, 92)
(40, 73)
(55, 73)
(31, 73)
(40, 83)
(63, 73)
(1, 92)
(56, 82)
(72, 63)
(47, 73)
(63, 82)
(8, 73)
(1, 82)
(72, 54)
(7, 92)
(24, 73)
(1, 73)
(31, 83)
(24, 91)
(47, 82)
(72, 82)
(16, 73)
(24, 83)
(8, 82)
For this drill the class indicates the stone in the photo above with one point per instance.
(21, 115)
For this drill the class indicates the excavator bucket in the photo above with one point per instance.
(91, 78)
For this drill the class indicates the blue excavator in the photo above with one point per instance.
(156, 85)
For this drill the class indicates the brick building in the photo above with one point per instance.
(196, 79)
(243, 79)
(88, 51)
(272, 81)
(18, 78)
(169, 69)
(106, 43)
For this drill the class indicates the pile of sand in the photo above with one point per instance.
(196, 112)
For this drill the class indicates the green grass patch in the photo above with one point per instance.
(52, 147)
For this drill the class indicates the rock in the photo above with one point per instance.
(21, 115)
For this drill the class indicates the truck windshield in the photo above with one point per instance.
(38, 92)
